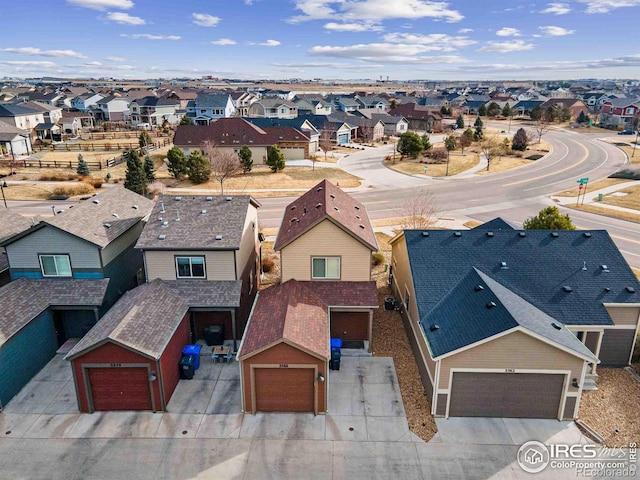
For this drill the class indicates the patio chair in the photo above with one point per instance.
(215, 357)
(228, 356)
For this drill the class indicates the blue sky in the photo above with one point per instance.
(344, 39)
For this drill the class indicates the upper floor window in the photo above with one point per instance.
(55, 265)
(190, 267)
(325, 267)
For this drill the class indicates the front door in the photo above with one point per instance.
(58, 325)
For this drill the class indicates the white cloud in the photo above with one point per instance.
(385, 52)
(374, 10)
(125, 19)
(268, 43)
(605, 6)
(103, 4)
(114, 59)
(353, 27)
(44, 53)
(151, 37)
(331, 65)
(29, 63)
(93, 64)
(557, 8)
(223, 41)
(465, 30)
(204, 20)
(440, 40)
(506, 47)
(509, 32)
(555, 31)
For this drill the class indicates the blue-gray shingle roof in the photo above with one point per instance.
(497, 223)
(538, 265)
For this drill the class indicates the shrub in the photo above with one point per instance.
(629, 173)
(71, 190)
(267, 264)
(377, 259)
(57, 176)
(438, 155)
(94, 182)
(534, 157)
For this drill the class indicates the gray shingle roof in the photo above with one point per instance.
(12, 223)
(211, 100)
(144, 319)
(24, 299)
(207, 294)
(88, 219)
(478, 308)
(497, 223)
(11, 110)
(195, 230)
(538, 266)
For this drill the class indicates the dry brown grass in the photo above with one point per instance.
(613, 405)
(592, 186)
(72, 190)
(472, 223)
(610, 212)
(630, 200)
(503, 163)
(591, 129)
(25, 191)
(458, 163)
(634, 156)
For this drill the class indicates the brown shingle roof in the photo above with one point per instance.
(144, 319)
(24, 299)
(417, 112)
(345, 294)
(289, 312)
(326, 201)
(12, 223)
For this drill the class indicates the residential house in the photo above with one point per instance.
(393, 124)
(574, 105)
(313, 107)
(512, 323)
(273, 108)
(85, 101)
(21, 117)
(154, 111)
(91, 240)
(112, 109)
(242, 101)
(300, 123)
(524, 107)
(74, 122)
(373, 102)
(48, 98)
(234, 133)
(14, 140)
(184, 96)
(12, 224)
(594, 100)
(207, 250)
(346, 104)
(50, 128)
(208, 107)
(620, 112)
(325, 243)
(419, 117)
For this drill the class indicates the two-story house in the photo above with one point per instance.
(273, 108)
(21, 117)
(154, 111)
(14, 140)
(313, 107)
(242, 101)
(208, 107)
(50, 128)
(620, 112)
(85, 101)
(325, 243)
(91, 240)
(207, 249)
(112, 108)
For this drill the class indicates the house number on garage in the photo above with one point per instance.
(284, 365)
(510, 370)
(116, 365)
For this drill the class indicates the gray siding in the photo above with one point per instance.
(23, 254)
(120, 244)
(441, 407)
(616, 347)
(122, 275)
(569, 406)
(591, 342)
(249, 240)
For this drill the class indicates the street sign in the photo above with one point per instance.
(583, 180)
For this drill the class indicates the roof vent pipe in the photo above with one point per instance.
(162, 206)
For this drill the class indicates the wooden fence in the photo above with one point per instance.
(98, 147)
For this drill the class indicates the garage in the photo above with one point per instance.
(129, 359)
(514, 395)
(126, 388)
(284, 389)
(293, 153)
(350, 326)
(343, 138)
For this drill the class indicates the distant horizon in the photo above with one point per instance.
(457, 40)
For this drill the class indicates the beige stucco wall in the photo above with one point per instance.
(249, 239)
(161, 264)
(517, 351)
(624, 315)
(326, 240)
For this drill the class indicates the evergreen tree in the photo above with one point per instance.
(582, 118)
(520, 140)
(466, 139)
(199, 167)
(493, 109)
(275, 159)
(549, 218)
(460, 121)
(426, 143)
(177, 162)
(478, 134)
(536, 113)
(186, 121)
(482, 111)
(135, 178)
(245, 159)
(83, 168)
(506, 110)
(410, 144)
(144, 140)
(149, 169)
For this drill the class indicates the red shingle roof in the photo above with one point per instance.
(326, 201)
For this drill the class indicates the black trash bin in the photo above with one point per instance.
(389, 303)
(214, 335)
(187, 367)
(334, 363)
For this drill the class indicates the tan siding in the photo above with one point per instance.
(516, 350)
(326, 239)
(161, 264)
(624, 315)
(249, 239)
(115, 248)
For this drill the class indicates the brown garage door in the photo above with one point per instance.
(519, 395)
(284, 389)
(120, 388)
(350, 325)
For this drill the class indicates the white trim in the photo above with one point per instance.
(326, 258)
(576, 409)
(204, 266)
(55, 262)
(576, 328)
(626, 305)
(620, 327)
(633, 345)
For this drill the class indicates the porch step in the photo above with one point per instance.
(589, 384)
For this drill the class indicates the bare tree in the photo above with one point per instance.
(324, 142)
(224, 162)
(541, 127)
(491, 149)
(421, 211)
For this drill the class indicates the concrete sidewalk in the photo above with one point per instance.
(591, 198)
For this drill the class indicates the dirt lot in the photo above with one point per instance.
(613, 406)
(458, 163)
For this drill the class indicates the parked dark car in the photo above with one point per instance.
(626, 132)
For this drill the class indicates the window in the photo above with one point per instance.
(190, 267)
(325, 267)
(55, 265)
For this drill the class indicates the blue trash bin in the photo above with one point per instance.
(193, 350)
(336, 343)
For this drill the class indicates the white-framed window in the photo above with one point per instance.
(629, 111)
(325, 267)
(55, 265)
(190, 267)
